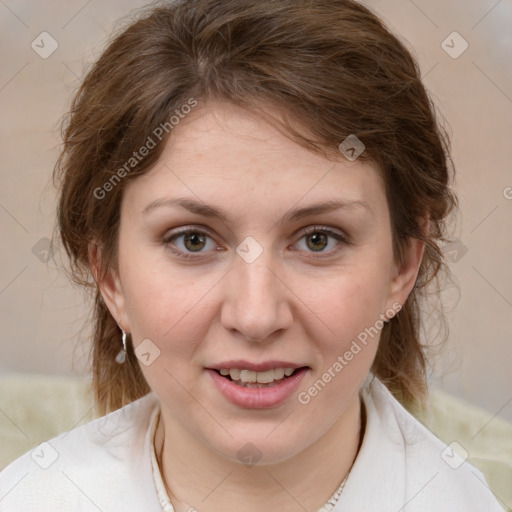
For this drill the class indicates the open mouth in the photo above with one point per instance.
(253, 379)
(251, 389)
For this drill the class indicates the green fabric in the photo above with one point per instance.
(35, 408)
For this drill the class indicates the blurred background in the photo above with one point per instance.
(464, 49)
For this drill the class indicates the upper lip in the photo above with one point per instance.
(256, 367)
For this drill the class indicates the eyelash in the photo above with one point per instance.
(309, 231)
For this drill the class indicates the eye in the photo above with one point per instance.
(194, 242)
(319, 239)
(189, 241)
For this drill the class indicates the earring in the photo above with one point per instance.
(121, 356)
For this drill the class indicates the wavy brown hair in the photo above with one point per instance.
(330, 66)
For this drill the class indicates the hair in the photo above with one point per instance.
(332, 69)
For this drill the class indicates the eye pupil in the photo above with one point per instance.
(315, 238)
(194, 238)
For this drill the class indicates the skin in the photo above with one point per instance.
(292, 303)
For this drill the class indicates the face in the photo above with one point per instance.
(270, 276)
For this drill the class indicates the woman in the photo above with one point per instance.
(256, 193)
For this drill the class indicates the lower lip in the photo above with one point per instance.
(258, 398)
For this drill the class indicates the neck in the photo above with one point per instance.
(302, 483)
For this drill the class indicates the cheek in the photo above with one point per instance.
(161, 301)
(348, 306)
(167, 306)
(348, 301)
(349, 313)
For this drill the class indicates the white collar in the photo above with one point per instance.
(157, 477)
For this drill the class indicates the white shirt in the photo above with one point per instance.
(106, 465)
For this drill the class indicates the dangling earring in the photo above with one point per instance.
(121, 356)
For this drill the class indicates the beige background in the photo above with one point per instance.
(42, 316)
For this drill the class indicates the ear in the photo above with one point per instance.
(404, 276)
(110, 287)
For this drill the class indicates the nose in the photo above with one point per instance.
(256, 301)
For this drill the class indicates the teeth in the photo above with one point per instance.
(249, 376)
(265, 377)
(279, 373)
(234, 374)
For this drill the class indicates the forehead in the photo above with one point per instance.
(228, 156)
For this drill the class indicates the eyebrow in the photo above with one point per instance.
(205, 210)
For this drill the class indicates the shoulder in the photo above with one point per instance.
(412, 467)
(438, 475)
(87, 468)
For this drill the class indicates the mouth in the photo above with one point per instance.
(257, 386)
(253, 379)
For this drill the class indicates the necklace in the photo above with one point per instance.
(162, 491)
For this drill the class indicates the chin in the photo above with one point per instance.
(255, 447)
